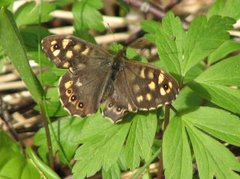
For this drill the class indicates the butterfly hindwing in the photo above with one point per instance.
(139, 87)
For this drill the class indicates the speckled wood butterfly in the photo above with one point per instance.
(95, 76)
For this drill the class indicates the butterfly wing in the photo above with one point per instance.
(139, 87)
(82, 88)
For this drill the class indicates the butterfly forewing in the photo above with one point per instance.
(82, 88)
(71, 52)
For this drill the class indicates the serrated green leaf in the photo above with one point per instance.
(213, 158)
(112, 173)
(101, 150)
(215, 84)
(176, 151)
(181, 51)
(70, 133)
(140, 139)
(203, 37)
(229, 8)
(222, 96)
(10, 37)
(14, 165)
(87, 16)
(223, 50)
(224, 73)
(221, 124)
(66, 131)
(168, 38)
(37, 12)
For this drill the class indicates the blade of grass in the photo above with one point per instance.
(12, 44)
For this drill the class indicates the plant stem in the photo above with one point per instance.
(48, 136)
(160, 169)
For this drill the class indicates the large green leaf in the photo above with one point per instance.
(223, 8)
(140, 139)
(217, 84)
(226, 48)
(13, 164)
(213, 158)
(87, 16)
(181, 51)
(203, 37)
(5, 3)
(13, 46)
(70, 133)
(226, 97)
(32, 13)
(113, 172)
(176, 151)
(169, 39)
(224, 73)
(100, 151)
(218, 123)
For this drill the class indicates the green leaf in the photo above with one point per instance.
(113, 172)
(181, 51)
(176, 151)
(213, 158)
(66, 131)
(215, 84)
(10, 37)
(222, 96)
(5, 3)
(168, 38)
(70, 133)
(100, 151)
(48, 78)
(140, 139)
(223, 50)
(194, 72)
(219, 123)
(229, 8)
(32, 35)
(87, 16)
(14, 165)
(38, 12)
(42, 167)
(225, 73)
(186, 99)
(203, 37)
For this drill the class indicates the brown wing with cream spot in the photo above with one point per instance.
(81, 92)
(72, 52)
(83, 88)
(140, 87)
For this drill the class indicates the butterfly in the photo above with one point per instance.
(95, 76)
